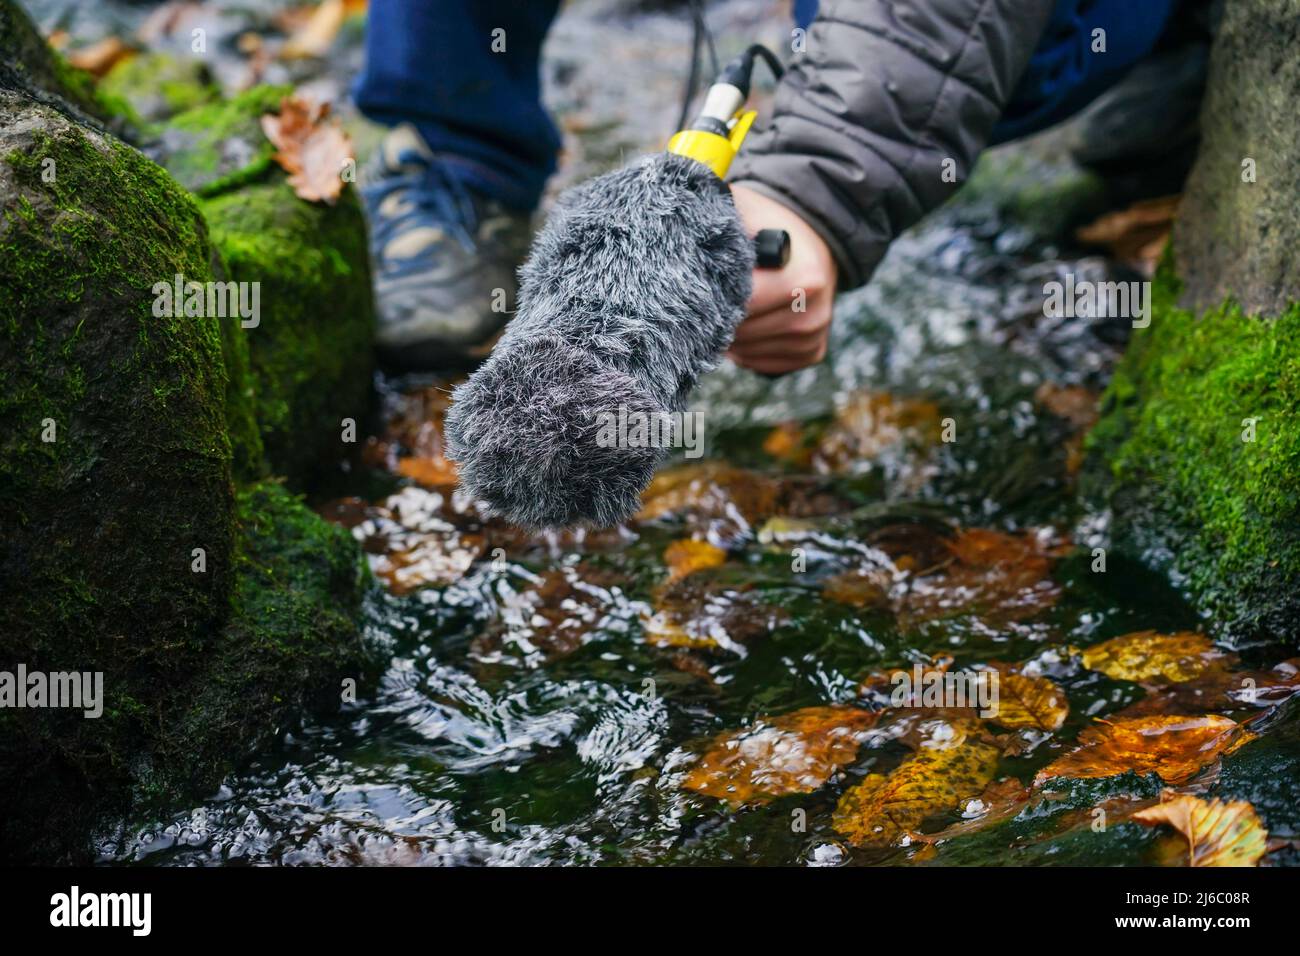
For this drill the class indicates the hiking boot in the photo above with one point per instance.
(445, 258)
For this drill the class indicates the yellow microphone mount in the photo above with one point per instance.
(715, 136)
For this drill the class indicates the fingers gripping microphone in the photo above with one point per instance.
(631, 292)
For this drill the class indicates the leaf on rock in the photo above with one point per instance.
(882, 809)
(1217, 833)
(310, 146)
(689, 555)
(794, 753)
(1150, 656)
(1176, 748)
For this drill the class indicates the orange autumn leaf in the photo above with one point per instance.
(689, 555)
(786, 442)
(1217, 833)
(1148, 655)
(431, 472)
(884, 808)
(100, 57)
(1176, 748)
(794, 753)
(310, 146)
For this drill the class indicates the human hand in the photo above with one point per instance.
(789, 319)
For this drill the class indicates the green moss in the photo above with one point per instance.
(155, 86)
(97, 527)
(221, 146)
(1189, 493)
(1047, 194)
(311, 354)
(292, 639)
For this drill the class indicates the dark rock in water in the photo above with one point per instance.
(136, 541)
(1198, 448)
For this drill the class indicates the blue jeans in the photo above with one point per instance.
(431, 63)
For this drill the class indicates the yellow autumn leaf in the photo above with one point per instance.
(688, 556)
(1148, 655)
(1217, 833)
(1024, 701)
(1176, 748)
(794, 753)
(885, 807)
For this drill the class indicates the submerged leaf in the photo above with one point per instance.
(1176, 748)
(794, 753)
(1219, 690)
(879, 430)
(688, 556)
(998, 577)
(1148, 655)
(1217, 833)
(882, 809)
(1025, 701)
(688, 614)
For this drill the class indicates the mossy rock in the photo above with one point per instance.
(205, 656)
(114, 458)
(29, 65)
(291, 641)
(1196, 488)
(311, 355)
(1198, 448)
(220, 146)
(157, 86)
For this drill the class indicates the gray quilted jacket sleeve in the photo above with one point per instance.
(883, 94)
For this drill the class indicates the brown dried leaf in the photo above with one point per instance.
(550, 619)
(311, 147)
(1136, 235)
(314, 37)
(1176, 748)
(794, 753)
(996, 576)
(688, 614)
(100, 57)
(882, 809)
(1150, 656)
(1217, 833)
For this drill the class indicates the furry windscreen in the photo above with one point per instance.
(631, 292)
